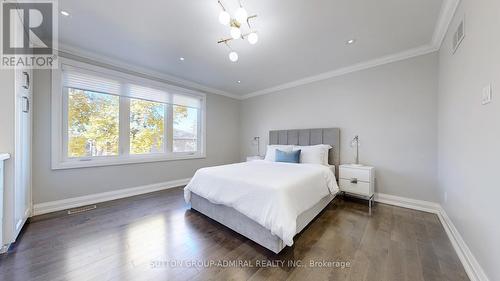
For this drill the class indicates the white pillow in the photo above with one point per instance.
(271, 151)
(314, 154)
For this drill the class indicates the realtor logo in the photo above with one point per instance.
(29, 31)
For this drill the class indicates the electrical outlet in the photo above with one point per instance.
(445, 197)
(486, 97)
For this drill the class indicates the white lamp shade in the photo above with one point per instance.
(233, 56)
(241, 15)
(253, 38)
(235, 32)
(224, 18)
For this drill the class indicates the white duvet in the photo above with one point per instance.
(271, 193)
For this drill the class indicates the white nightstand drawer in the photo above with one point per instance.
(361, 188)
(359, 174)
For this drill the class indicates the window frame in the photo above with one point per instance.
(59, 130)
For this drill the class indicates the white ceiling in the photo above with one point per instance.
(297, 38)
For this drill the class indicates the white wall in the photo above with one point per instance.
(7, 120)
(392, 107)
(6, 110)
(469, 133)
(7, 141)
(49, 185)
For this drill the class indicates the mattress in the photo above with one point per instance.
(271, 194)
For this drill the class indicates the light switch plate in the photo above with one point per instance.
(486, 98)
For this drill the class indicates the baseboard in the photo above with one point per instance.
(420, 205)
(59, 205)
(469, 262)
(4, 249)
(472, 267)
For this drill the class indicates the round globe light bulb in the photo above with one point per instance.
(235, 32)
(224, 18)
(241, 15)
(233, 56)
(253, 38)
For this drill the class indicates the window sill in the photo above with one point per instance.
(115, 161)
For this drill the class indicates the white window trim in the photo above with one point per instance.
(58, 143)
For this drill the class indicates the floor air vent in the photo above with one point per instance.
(81, 209)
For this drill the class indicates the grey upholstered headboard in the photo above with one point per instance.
(329, 136)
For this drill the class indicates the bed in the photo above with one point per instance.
(269, 202)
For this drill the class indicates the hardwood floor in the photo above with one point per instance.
(156, 237)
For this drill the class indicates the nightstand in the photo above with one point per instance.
(358, 181)
(253, 158)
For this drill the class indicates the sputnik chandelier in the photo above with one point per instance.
(235, 24)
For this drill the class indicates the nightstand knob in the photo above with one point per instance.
(354, 180)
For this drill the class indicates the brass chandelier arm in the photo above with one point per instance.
(222, 6)
(234, 23)
(226, 40)
(235, 26)
(248, 20)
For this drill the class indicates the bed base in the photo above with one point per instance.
(249, 228)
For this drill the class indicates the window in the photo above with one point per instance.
(108, 117)
(185, 129)
(147, 127)
(93, 124)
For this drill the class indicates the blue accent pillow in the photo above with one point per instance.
(288, 157)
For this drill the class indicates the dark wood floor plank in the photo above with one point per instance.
(154, 237)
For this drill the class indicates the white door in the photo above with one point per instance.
(22, 185)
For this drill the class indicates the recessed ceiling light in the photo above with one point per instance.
(351, 41)
(64, 13)
(239, 82)
(182, 58)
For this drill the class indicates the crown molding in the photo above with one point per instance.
(349, 69)
(84, 54)
(448, 9)
(446, 14)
